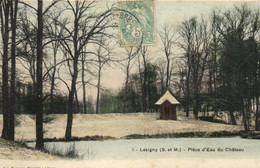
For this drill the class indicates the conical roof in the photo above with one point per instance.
(167, 96)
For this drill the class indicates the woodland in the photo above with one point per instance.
(68, 43)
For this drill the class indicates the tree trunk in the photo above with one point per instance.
(74, 78)
(70, 101)
(84, 99)
(196, 103)
(257, 128)
(98, 88)
(13, 68)
(39, 100)
(257, 82)
(125, 106)
(5, 90)
(233, 120)
(144, 86)
(126, 94)
(149, 96)
(77, 101)
(215, 89)
(214, 69)
(187, 95)
(70, 113)
(167, 73)
(245, 121)
(231, 110)
(162, 85)
(83, 85)
(257, 90)
(53, 80)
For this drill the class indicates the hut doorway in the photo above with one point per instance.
(166, 112)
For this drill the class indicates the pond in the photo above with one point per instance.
(228, 147)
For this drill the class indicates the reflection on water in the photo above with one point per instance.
(233, 147)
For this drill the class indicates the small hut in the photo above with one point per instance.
(168, 105)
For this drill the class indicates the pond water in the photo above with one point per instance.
(228, 147)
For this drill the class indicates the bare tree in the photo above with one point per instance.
(5, 13)
(54, 33)
(180, 75)
(143, 76)
(77, 35)
(167, 38)
(161, 64)
(26, 50)
(213, 63)
(87, 67)
(103, 58)
(196, 41)
(131, 53)
(186, 34)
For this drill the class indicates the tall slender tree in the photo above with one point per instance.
(14, 9)
(103, 58)
(5, 14)
(54, 33)
(131, 53)
(167, 38)
(39, 81)
(83, 62)
(143, 76)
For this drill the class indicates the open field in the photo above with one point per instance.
(114, 125)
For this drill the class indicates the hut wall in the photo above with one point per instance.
(168, 111)
(174, 115)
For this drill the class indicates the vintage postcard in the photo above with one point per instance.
(129, 83)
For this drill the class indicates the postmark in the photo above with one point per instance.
(136, 23)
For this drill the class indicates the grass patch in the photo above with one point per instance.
(212, 119)
(154, 136)
(157, 136)
(70, 152)
(86, 138)
(251, 135)
(185, 134)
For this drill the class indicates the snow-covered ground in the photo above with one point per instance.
(115, 125)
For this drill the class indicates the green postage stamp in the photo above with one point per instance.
(136, 23)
